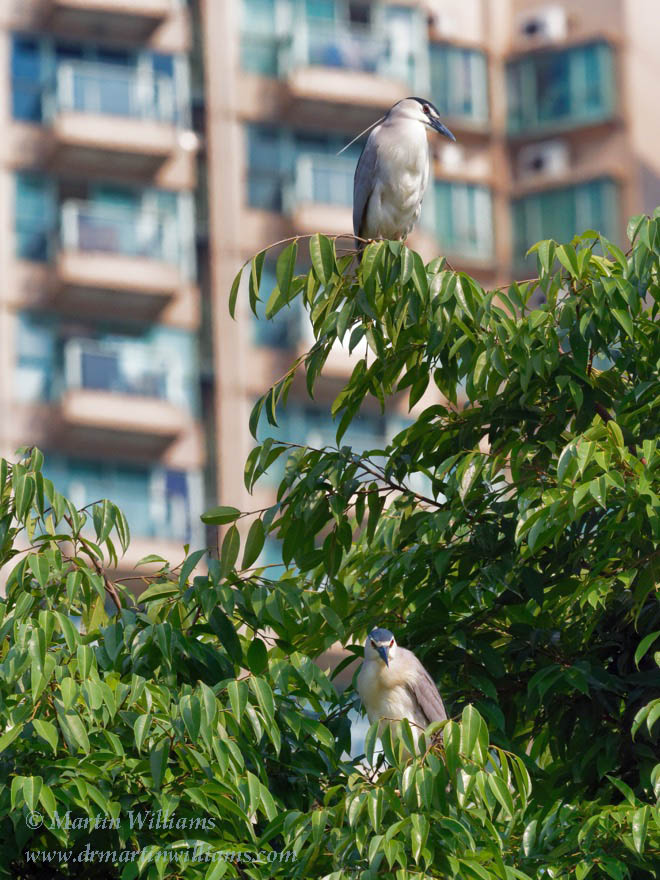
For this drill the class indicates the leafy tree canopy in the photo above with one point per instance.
(510, 534)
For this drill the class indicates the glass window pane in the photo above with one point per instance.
(33, 220)
(569, 86)
(464, 219)
(320, 9)
(459, 81)
(163, 64)
(26, 73)
(25, 59)
(259, 16)
(564, 212)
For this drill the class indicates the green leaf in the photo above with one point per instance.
(322, 253)
(501, 792)
(634, 225)
(141, 729)
(158, 762)
(370, 742)
(224, 628)
(47, 731)
(233, 294)
(264, 697)
(640, 822)
(191, 711)
(31, 790)
(237, 691)
(371, 257)
(254, 544)
(529, 837)
(218, 516)
(644, 645)
(10, 735)
(256, 267)
(470, 724)
(568, 258)
(103, 515)
(257, 656)
(40, 568)
(189, 566)
(286, 266)
(625, 320)
(231, 545)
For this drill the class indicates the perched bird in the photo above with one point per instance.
(393, 684)
(393, 171)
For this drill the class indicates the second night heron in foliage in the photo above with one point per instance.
(393, 684)
(393, 170)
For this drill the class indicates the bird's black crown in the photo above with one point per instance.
(381, 635)
(423, 101)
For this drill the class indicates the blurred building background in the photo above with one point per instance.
(151, 146)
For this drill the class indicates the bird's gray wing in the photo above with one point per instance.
(425, 694)
(363, 182)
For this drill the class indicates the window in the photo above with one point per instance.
(459, 82)
(35, 376)
(157, 502)
(287, 167)
(34, 216)
(259, 44)
(566, 87)
(266, 167)
(464, 219)
(564, 212)
(26, 75)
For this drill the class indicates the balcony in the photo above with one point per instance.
(116, 259)
(84, 107)
(131, 22)
(123, 399)
(351, 70)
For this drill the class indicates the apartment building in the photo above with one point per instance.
(554, 111)
(99, 302)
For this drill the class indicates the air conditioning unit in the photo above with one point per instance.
(548, 158)
(547, 23)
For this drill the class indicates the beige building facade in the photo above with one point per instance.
(99, 301)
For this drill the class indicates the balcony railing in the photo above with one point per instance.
(110, 229)
(93, 87)
(329, 44)
(122, 369)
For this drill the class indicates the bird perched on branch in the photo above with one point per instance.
(393, 684)
(392, 172)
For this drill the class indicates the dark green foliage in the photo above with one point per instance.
(510, 534)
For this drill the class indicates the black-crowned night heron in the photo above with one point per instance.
(393, 171)
(393, 684)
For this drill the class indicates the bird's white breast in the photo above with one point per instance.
(383, 694)
(403, 166)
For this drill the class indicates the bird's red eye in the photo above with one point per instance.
(426, 109)
(391, 643)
